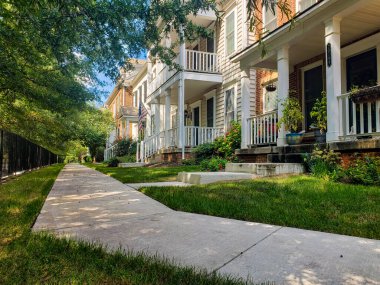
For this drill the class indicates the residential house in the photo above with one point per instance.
(123, 104)
(332, 45)
(197, 104)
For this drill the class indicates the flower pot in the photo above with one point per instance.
(294, 138)
(271, 87)
(319, 137)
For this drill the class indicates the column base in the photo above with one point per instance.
(281, 142)
(332, 136)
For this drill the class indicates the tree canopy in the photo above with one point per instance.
(52, 50)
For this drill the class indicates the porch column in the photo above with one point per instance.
(181, 95)
(333, 77)
(283, 88)
(167, 117)
(127, 129)
(157, 117)
(245, 107)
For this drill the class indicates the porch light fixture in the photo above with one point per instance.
(328, 51)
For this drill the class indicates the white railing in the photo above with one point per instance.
(263, 129)
(201, 61)
(360, 119)
(150, 146)
(110, 152)
(304, 4)
(195, 136)
(271, 25)
(162, 74)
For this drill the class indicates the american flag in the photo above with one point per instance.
(142, 115)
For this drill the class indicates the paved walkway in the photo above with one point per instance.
(89, 205)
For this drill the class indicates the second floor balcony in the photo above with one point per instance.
(198, 63)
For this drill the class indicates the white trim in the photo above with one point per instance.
(228, 87)
(233, 10)
(303, 70)
(209, 94)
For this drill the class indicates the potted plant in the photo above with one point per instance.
(291, 118)
(319, 115)
(365, 94)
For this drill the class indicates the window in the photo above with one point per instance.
(210, 112)
(230, 33)
(302, 5)
(229, 107)
(269, 20)
(269, 99)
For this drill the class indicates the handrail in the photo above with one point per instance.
(262, 129)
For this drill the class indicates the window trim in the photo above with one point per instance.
(264, 11)
(234, 10)
(227, 88)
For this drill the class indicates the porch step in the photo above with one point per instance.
(131, 164)
(210, 177)
(286, 157)
(265, 169)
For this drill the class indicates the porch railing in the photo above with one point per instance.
(195, 136)
(110, 152)
(202, 61)
(263, 129)
(151, 145)
(360, 119)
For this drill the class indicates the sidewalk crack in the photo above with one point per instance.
(244, 251)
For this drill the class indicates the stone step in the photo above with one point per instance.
(211, 177)
(286, 158)
(265, 169)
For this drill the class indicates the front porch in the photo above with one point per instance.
(332, 47)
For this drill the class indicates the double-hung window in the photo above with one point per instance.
(231, 32)
(229, 107)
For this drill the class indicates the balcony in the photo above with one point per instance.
(203, 63)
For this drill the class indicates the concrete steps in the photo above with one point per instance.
(131, 164)
(241, 171)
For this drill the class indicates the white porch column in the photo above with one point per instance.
(127, 129)
(245, 107)
(157, 118)
(333, 77)
(283, 88)
(181, 96)
(167, 117)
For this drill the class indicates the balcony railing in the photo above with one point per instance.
(198, 61)
(263, 129)
(358, 120)
(304, 4)
(201, 61)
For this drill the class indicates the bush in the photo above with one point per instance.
(190, 161)
(127, 158)
(99, 153)
(213, 164)
(113, 162)
(323, 163)
(363, 171)
(126, 147)
(226, 146)
(205, 151)
(87, 158)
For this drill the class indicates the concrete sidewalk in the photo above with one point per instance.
(88, 205)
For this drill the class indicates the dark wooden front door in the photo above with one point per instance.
(196, 123)
(313, 87)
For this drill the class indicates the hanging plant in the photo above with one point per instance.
(271, 87)
(364, 95)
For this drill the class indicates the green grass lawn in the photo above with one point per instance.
(30, 258)
(143, 174)
(297, 201)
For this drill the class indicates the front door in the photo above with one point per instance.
(362, 72)
(313, 87)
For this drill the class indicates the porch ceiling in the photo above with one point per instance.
(306, 42)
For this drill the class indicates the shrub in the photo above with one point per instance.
(226, 146)
(190, 161)
(87, 158)
(363, 171)
(127, 158)
(205, 151)
(113, 162)
(213, 164)
(323, 163)
(99, 153)
(126, 147)
(292, 114)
